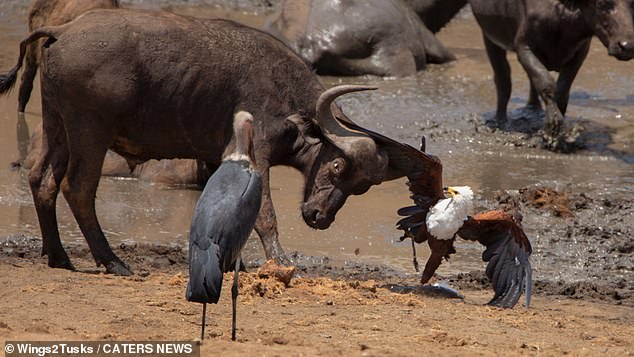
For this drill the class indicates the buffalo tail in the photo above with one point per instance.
(7, 80)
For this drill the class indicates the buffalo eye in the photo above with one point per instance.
(338, 166)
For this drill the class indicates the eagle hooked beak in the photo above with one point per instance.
(450, 190)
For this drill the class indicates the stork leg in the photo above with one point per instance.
(234, 298)
(202, 325)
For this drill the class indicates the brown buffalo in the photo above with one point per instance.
(156, 85)
(550, 35)
(357, 37)
(46, 13)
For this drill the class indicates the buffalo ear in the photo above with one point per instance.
(305, 129)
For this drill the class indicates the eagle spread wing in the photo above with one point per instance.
(507, 253)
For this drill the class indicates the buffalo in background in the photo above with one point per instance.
(58, 12)
(46, 13)
(164, 172)
(550, 35)
(357, 37)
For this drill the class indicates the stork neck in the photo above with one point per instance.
(243, 135)
(243, 139)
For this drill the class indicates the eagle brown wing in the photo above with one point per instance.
(507, 253)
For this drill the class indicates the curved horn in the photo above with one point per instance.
(359, 146)
(325, 118)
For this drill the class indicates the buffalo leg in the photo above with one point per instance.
(501, 77)
(533, 98)
(45, 178)
(30, 69)
(26, 87)
(435, 51)
(80, 187)
(266, 224)
(567, 76)
(545, 85)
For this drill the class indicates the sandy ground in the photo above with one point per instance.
(313, 316)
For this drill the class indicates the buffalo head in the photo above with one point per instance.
(351, 159)
(347, 163)
(613, 25)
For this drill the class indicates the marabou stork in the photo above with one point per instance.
(223, 219)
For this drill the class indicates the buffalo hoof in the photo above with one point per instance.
(565, 142)
(274, 251)
(496, 122)
(117, 267)
(61, 262)
(282, 259)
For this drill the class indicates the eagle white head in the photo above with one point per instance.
(447, 216)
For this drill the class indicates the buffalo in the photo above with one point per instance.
(46, 13)
(550, 35)
(357, 37)
(58, 12)
(156, 85)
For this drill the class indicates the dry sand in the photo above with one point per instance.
(313, 316)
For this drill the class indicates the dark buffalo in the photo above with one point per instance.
(436, 13)
(155, 85)
(356, 37)
(46, 13)
(550, 35)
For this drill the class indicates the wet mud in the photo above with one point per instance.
(583, 252)
(577, 208)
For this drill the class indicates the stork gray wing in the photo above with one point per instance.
(223, 219)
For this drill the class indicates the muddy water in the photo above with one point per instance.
(445, 103)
